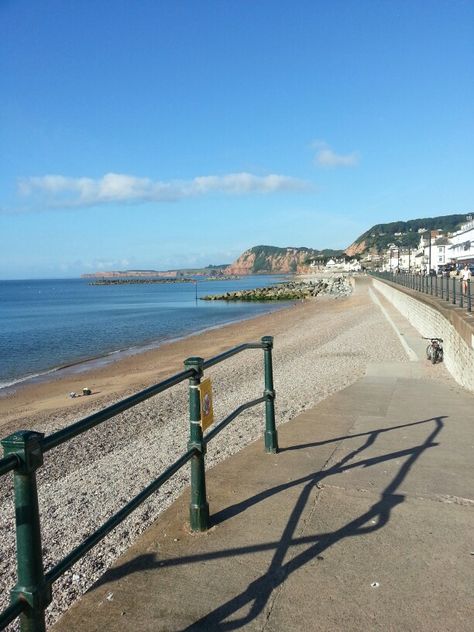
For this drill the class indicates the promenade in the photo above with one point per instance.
(362, 521)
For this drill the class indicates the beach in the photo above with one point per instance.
(321, 346)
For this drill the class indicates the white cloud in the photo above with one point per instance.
(326, 157)
(122, 188)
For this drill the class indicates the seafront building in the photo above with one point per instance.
(461, 249)
(435, 251)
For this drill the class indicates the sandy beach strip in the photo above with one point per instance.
(321, 346)
(30, 404)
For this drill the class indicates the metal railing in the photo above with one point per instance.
(23, 454)
(450, 289)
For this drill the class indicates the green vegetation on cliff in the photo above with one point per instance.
(406, 234)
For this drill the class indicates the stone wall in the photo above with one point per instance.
(430, 320)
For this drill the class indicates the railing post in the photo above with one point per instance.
(198, 507)
(447, 289)
(31, 587)
(454, 290)
(469, 299)
(271, 436)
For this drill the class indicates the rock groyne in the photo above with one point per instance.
(289, 291)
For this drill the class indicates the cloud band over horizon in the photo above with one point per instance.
(121, 188)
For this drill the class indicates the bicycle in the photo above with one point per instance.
(434, 351)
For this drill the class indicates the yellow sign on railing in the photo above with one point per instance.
(207, 412)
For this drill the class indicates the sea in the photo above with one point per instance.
(52, 325)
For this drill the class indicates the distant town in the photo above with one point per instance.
(437, 251)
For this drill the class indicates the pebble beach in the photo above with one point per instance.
(321, 346)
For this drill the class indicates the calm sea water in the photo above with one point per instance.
(46, 324)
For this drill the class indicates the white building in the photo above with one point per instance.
(440, 253)
(352, 266)
(391, 258)
(433, 251)
(462, 243)
(397, 258)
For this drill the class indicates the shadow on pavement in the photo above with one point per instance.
(257, 593)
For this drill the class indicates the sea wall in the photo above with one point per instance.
(431, 317)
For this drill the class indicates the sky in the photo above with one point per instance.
(180, 133)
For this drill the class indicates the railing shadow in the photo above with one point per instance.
(256, 595)
(315, 478)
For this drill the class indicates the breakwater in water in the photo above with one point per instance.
(288, 291)
(139, 281)
(146, 280)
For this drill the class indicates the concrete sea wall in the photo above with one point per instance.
(432, 317)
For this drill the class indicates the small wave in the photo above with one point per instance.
(88, 364)
(25, 378)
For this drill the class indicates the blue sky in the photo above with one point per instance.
(179, 133)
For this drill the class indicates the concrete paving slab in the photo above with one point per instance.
(442, 446)
(379, 563)
(394, 370)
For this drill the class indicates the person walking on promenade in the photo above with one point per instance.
(466, 276)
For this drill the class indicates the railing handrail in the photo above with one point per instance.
(425, 285)
(24, 452)
(61, 436)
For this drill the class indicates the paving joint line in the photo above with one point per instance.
(276, 594)
(412, 356)
(446, 499)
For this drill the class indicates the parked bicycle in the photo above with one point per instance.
(434, 351)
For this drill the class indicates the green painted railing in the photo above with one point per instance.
(23, 455)
(453, 290)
